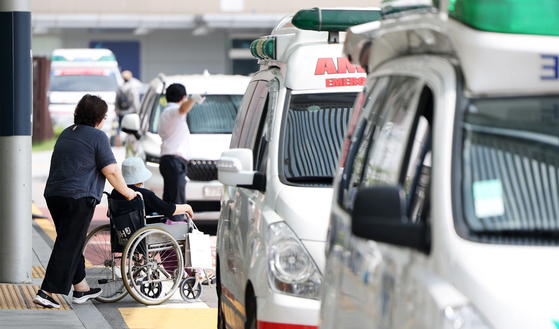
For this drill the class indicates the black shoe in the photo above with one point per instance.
(45, 300)
(81, 297)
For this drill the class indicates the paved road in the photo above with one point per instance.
(127, 313)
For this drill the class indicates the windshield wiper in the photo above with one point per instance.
(312, 179)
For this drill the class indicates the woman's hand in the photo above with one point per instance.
(130, 194)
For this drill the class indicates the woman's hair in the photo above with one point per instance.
(90, 111)
(175, 92)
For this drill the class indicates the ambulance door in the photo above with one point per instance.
(399, 156)
(241, 219)
(229, 230)
(369, 279)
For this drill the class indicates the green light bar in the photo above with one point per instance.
(57, 58)
(107, 58)
(390, 7)
(318, 19)
(539, 17)
(264, 48)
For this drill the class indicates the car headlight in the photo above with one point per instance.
(291, 269)
(463, 317)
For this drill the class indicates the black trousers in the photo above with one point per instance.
(66, 264)
(174, 170)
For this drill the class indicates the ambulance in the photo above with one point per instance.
(80, 71)
(445, 211)
(278, 172)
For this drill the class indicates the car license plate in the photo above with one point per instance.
(212, 191)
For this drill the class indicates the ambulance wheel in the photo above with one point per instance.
(251, 314)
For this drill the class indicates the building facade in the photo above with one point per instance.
(166, 36)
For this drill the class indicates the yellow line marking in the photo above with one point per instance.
(38, 272)
(21, 297)
(199, 318)
(47, 227)
(35, 210)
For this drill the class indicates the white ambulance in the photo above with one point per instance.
(80, 71)
(446, 208)
(278, 172)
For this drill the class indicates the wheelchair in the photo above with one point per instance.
(145, 260)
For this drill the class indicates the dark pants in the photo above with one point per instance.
(66, 264)
(174, 169)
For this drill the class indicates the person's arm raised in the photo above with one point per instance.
(186, 106)
(114, 176)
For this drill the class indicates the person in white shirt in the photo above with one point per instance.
(175, 146)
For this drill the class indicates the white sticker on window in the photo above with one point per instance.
(488, 198)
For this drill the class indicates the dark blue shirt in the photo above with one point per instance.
(79, 155)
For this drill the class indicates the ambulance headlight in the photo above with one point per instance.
(291, 269)
(463, 317)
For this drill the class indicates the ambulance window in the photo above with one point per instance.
(510, 170)
(359, 142)
(241, 115)
(253, 114)
(265, 128)
(147, 107)
(416, 178)
(313, 128)
(390, 142)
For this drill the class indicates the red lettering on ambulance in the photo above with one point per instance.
(325, 65)
(344, 66)
(343, 82)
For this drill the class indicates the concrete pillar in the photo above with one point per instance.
(16, 90)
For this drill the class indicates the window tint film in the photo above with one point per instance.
(83, 83)
(314, 129)
(216, 115)
(510, 161)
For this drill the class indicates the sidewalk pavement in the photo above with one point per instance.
(18, 311)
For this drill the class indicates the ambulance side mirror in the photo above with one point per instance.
(235, 168)
(380, 214)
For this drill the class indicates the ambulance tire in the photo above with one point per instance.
(220, 315)
(251, 322)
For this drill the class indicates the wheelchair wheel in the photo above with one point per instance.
(102, 267)
(191, 290)
(153, 265)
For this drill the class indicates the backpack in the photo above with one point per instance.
(123, 99)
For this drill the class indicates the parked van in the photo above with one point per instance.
(76, 72)
(210, 124)
(446, 205)
(278, 172)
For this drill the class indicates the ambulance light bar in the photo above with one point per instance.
(106, 58)
(264, 48)
(321, 19)
(502, 16)
(508, 16)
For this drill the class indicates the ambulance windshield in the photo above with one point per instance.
(510, 181)
(216, 115)
(314, 128)
(85, 82)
